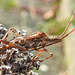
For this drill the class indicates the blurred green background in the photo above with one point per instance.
(50, 17)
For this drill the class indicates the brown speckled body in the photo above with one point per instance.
(34, 41)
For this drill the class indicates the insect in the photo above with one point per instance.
(36, 41)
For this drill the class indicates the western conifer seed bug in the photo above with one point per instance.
(36, 41)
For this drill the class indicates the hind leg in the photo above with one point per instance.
(41, 50)
(13, 30)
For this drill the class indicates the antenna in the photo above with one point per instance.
(68, 26)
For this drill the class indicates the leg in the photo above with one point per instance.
(11, 29)
(10, 45)
(41, 52)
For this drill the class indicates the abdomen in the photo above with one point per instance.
(33, 41)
